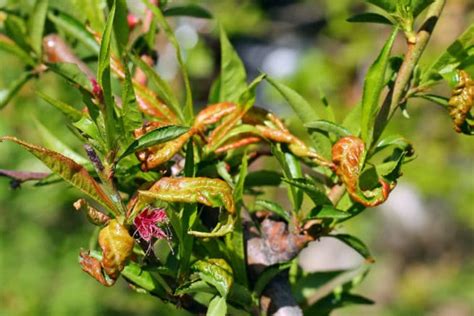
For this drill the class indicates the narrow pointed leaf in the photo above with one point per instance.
(10, 47)
(191, 10)
(69, 111)
(155, 137)
(265, 205)
(356, 244)
(69, 170)
(373, 85)
(72, 74)
(188, 107)
(131, 116)
(388, 5)
(36, 25)
(369, 17)
(7, 94)
(74, 28)
(327, 211)
(329, 127)
(233, 75)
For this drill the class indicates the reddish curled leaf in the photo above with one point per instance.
(237, 144)
(461, 103)
(92, 266)
(69, 170)
(94, 216)
(117, 246)
(156, 156)
(207, 191)
(213, 113)
(347, 155)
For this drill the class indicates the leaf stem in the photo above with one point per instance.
(414, 51)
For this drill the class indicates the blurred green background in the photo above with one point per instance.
(422, 238)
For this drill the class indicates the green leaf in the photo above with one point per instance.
(75, 28)
(239, 185)
(217, 307)
(120, 25)
(134, 273)
(233, 75)
(188, 107)
(316, 193)
(267, 275)
(292, 169)
(15, 28)
(52, 142)
(459, 51)
(36, 25)
(352, 120)
(263, 178)
(443, 101)
(155, 137)
(70, 171)
(216, 272)
(265, 205)
(356, 244)
(7, 94)
(394, 140)
(164, 89)
(12, 48)
(131, 116)
(328, 127)
(387, 5)
(332, 301)
(305, 113)
(417, 6)
(369, 17)
(93, 12)
(69, 111)
(373, 85)
(327, 211)
(103, 78)
(72, 74)
(191, 10)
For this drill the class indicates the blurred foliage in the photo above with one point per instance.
(40, 234)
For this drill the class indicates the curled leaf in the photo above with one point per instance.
(348, 155)
(207, 191)
(69, 170)
(461, 102)
(216, 272)
(94, 216)
(117, 245)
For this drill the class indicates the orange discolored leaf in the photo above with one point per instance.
(461, 103)
(69, 170)
(94, 216)
(92, 266)
(207, 191)
(117, 246)
(347, 156)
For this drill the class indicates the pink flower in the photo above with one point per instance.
(148, 224)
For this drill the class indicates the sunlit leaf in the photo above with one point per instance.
(69, 170)
(217, 307)
(216, 272)
(373, 85)
(155, 137)
(356, 244)
(233, 75)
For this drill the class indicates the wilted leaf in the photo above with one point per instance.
(69, 170)
(207, 191)
(216, 272)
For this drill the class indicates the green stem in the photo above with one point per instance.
(412, 56)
